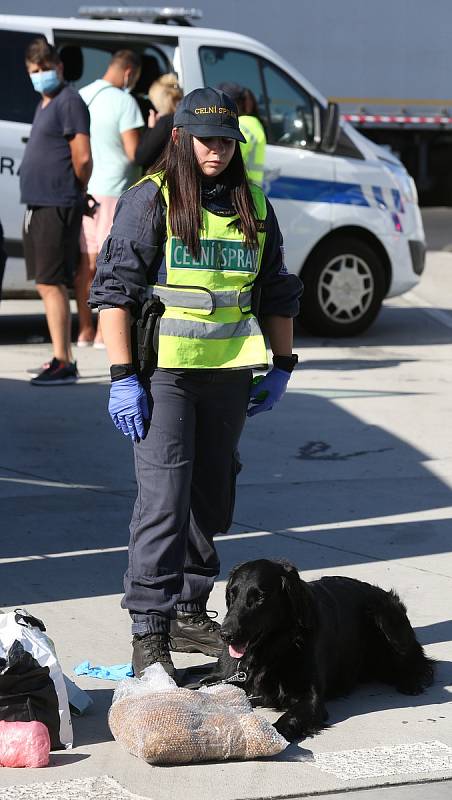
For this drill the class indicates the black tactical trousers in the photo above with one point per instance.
(186, 473)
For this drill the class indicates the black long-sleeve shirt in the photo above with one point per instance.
(133, 255)
(153, 141)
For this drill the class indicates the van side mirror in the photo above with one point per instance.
(331, 129)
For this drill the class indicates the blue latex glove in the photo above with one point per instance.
(267, 390)
(117, 672)
(128, 407)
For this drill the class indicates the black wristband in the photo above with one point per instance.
(120, 371)
(287, 363)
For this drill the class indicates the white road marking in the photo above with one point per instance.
(52, 484)
(412, 516)
(400, 759)
(415, 516)
(102, 787)
(65, 554)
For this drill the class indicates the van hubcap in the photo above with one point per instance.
(346, 288)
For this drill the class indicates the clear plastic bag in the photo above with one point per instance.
(155, 720)
(24, 744)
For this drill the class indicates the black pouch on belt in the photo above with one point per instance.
(144, 335)
(256, 299)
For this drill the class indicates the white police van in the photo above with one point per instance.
(347, 208)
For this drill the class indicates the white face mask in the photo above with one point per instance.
(125, 87)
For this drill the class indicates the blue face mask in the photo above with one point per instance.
(45, 82)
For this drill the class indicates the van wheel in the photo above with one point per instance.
(344, 287)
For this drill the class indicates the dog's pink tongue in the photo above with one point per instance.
(238, 651)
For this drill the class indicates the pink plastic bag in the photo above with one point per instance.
(24, 744)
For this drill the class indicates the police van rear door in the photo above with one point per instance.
(18, 102)
(86, 54)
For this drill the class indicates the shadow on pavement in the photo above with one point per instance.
(92, 727)
(320, 487)
(67, 490)
(32, 328)
(63, 759)
(373, 698)
(351, 364)
(395, 325)
(438, 632)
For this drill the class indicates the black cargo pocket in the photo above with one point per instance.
(155, 337)
(236, 467)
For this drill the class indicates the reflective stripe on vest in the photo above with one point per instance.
(253, 151)
(209, 330)
(201, 299)
(207, 323)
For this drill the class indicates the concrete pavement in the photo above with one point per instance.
(350, 475)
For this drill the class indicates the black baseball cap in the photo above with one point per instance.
(208, 112)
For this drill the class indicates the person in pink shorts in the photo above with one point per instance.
(93, 233)
(116, 121)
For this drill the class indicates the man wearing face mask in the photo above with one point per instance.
(116, 121)
(53, 177)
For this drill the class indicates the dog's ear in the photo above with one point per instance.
(231, 578)
(300, 597)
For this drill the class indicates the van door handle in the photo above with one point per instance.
(25, 139)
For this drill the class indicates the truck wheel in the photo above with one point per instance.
(344, 287)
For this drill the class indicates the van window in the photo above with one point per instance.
(83, 64)
(87, 60)
(290, 109)
(284, 107)
(234, 66)
(18, 99)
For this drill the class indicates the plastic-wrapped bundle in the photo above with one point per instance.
(24, 744)
(155, 720)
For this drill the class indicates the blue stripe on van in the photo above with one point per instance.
(398, 200)
(378, 194)
(314, 191)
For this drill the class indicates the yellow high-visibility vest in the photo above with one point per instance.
(253, 150)
(208, 323)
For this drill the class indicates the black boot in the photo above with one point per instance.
(195, 632)
(150, 649)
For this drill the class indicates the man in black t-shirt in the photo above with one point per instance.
(54, 174)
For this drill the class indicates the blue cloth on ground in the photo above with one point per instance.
(117, 672)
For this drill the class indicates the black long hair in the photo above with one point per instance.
(183, 176)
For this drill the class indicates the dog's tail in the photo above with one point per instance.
(412, 670)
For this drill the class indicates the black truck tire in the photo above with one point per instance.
(344, 286)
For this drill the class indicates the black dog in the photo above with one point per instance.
(292, 644)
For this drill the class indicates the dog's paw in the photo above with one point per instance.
(294, 729)
(288, 728)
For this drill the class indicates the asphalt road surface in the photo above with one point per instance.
(438, 228)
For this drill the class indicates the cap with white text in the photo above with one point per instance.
(208, 112)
